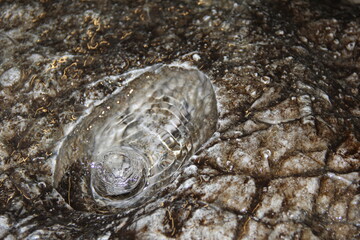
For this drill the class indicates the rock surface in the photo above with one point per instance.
(285, 161)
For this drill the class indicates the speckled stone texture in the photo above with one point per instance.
(284, 163)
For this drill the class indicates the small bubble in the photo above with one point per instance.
(265, 79)
(196, 57)
(279, 32)
(42, 185)
(350, 46)
(303, 39)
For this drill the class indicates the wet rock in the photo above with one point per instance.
(4, 223)
(210, 223)
(288, 199)
(283, 162)
(230, 192)
(347, 155)
(10, 77)
(338, 197)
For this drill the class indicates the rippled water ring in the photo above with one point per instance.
(118, 171)
(135, 141)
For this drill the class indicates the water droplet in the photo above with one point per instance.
(350, 46)
(279, 32)
(265, 79)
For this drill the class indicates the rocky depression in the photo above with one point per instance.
(282, 163)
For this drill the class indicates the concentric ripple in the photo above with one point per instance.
(134, 143)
